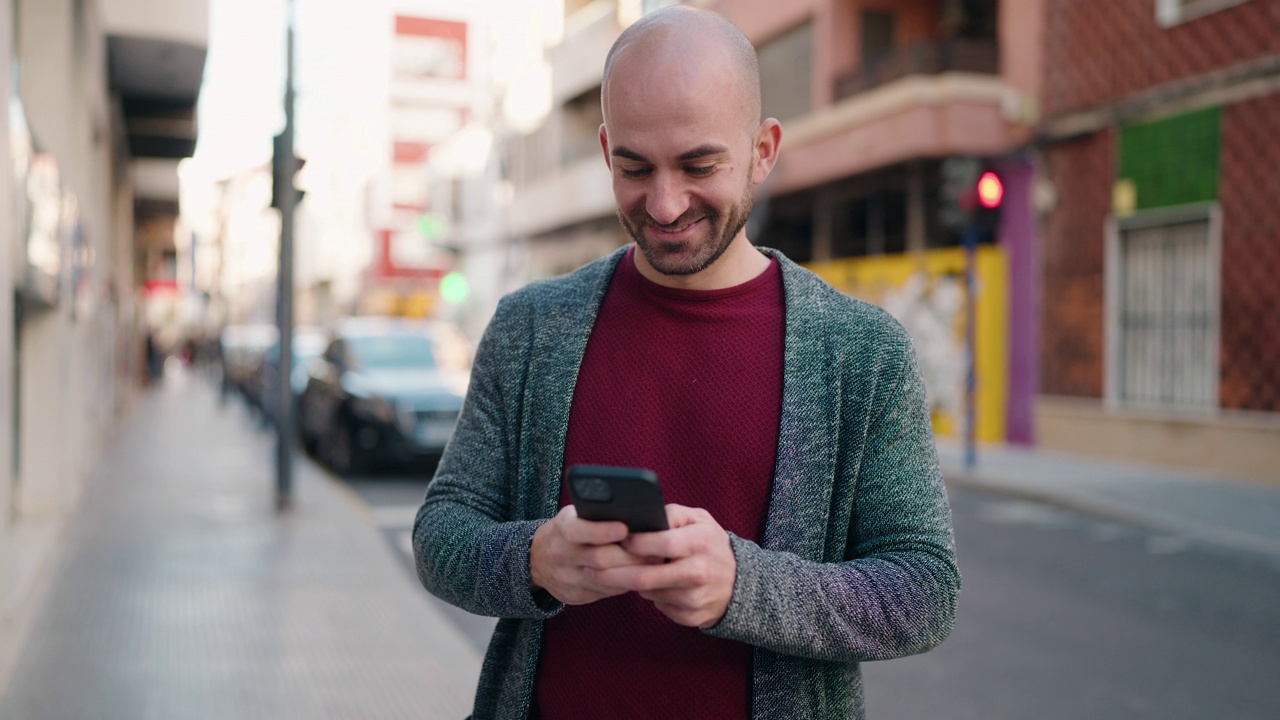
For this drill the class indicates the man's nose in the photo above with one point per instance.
(667, 199)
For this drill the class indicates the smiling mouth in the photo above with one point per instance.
(674, 230)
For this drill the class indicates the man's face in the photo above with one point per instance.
(681, 156)
(694, 240)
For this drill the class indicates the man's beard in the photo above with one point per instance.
(689, 257)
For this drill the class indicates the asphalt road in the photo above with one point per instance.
(1061, 616)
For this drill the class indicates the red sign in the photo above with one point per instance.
(384, 264)
(426, 47)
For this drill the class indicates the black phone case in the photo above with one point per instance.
(634, 496)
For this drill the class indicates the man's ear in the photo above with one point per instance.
(604, 145)
(767, 142)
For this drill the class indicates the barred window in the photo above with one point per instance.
(1165, 315)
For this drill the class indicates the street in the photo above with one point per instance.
(1066, 616)
(1061, 616)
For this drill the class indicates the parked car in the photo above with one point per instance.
(242, 350)
(385, 391)
(308, 343)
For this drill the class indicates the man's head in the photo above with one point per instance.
(682, 136)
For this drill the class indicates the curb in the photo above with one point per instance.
(1129, 515)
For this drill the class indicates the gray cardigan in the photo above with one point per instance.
(857, 561)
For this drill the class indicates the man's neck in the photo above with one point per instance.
(740, 262)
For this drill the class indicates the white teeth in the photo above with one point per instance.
(679, 229)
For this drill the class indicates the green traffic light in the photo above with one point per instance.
(454, 288)
(430, 226)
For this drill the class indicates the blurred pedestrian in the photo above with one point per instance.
(787, 423)
(155, 358)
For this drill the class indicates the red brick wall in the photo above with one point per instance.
(1072, 350)
(1249, 192)
(1099, 51)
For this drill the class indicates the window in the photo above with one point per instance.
(1162, 299)
(580, 127)
(878, 33)
(786, 65)
(1173, 12)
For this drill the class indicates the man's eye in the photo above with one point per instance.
(700, 170)
(634, 174)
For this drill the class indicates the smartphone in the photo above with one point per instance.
(607, 492)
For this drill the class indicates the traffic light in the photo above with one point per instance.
(284, 171)
(957, 191)
(971, 193)
(454, 288)
(989, 191)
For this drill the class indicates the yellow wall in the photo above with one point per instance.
(925, 291)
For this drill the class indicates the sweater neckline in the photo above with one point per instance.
(631, 274)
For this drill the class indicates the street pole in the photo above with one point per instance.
(970, 354)
(284, 292)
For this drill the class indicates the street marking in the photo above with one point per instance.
(1106, 533)
(1016, 512)
(1166, 545)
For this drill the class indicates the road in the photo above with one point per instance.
(1062, 616)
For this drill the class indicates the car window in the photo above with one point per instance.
(392, 351)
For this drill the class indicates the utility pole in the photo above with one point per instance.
(284, 167)
(970, 237)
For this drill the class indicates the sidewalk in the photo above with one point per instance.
(180, 593)
(1229, 513)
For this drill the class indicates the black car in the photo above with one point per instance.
(384, 392)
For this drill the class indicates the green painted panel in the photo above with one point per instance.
(1172, 161)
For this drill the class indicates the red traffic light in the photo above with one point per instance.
(990, 190)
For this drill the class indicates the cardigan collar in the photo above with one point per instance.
(806, 438)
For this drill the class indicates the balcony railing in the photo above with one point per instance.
(928, 57)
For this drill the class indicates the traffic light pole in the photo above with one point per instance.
(970, 236)
(284, 289)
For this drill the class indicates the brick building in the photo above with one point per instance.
(1160, 232)
(1122, 300)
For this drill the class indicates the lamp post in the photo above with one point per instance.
(283, 167)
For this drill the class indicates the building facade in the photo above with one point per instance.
(874, 98)
(1161, 340)
(95, 130)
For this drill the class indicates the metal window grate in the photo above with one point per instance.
(1167, 333)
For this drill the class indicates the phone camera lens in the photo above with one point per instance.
(592, 489)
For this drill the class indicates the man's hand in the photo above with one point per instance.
(695, 586)
(566, 551)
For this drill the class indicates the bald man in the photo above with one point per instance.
(810, 529)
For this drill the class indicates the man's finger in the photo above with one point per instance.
(680, 515)
(603, 557)
(587, 532)
(677, 543)
(644, 578)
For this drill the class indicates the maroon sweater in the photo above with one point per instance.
(688, 384)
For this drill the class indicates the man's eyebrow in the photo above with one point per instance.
(694, 154)
(623, 152)
(702, 151)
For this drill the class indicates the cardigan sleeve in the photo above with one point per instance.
(469, 547)
(895, 592)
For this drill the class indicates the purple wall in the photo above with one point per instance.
(1017, 234)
